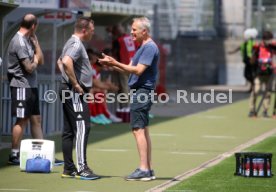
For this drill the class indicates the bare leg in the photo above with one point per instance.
(254, 94)
(36, 129)
(149, 147)
(142, 146)
(17, 132)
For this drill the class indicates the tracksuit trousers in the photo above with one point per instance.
(76, 127)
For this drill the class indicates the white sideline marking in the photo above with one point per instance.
(16, 190)
(188, 153)
(218, 137)
(111, 150)
(161, 134)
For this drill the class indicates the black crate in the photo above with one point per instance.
(253, 164)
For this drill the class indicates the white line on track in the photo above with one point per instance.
(187, 153)
(111, 150)
(218, 137)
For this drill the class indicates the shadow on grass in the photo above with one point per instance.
(108, 131)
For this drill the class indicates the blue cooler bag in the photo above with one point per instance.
(38, 165)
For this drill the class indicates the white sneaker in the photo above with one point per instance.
(115, 119)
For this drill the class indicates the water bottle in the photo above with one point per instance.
(247, 167)
(268, 168)
(261, 167)
(255, 167)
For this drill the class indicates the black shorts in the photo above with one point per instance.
(25, 102)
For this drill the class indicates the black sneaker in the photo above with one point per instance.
(152, 174)
(58, 162)
(69, 173)
(86, 174)
(14, 159)
(252, 114)
(139, 175)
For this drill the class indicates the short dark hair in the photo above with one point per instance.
(28, 21)
(83, 23)
(90, 52)
(107, 51)
(267, 35)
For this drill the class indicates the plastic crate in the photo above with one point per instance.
(253, 164)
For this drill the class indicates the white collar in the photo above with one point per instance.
(76, 37)
(19, 33)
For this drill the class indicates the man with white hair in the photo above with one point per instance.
(142, 81)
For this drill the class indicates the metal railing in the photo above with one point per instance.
(51, 113)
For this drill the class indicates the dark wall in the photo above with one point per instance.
(195, 62)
